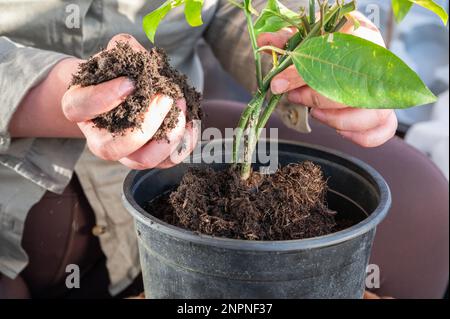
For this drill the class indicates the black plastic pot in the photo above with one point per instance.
(177, 263)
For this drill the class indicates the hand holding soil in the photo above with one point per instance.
(127, 111)
(366, 127)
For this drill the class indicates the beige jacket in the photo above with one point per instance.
(36, 34)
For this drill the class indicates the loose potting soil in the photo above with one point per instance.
(289, 204)
(151, 73)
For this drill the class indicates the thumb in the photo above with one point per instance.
(84, 103)
(277, 39)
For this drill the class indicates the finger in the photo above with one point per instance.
(85, 103)
(187, 145)
(277, 39)
(286, 81)
(109, 147)
(155, 152)
(123, 37)
(376, 136)
(308, 97)
(351, 119)
(364, 22)
(367, 29)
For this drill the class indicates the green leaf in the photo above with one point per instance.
(356, 72)
(193, 12)
(152, 20)
(401, 9)
(433, 7)
(247, 6)
(274, 17)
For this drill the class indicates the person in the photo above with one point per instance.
(44, 126)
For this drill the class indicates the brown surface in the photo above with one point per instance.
(58, 232)
(151, 74)
(286, 205)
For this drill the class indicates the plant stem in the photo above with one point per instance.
(272, 48)
(251, 140)
(248, 111)
(236, 4)
(322, 6)
(256, 54)
(286, 62)
(339, 25)
(312, 11)
(306, 24)
(252, 121)
(256, 132)
(252, 106)
(273, 102)
(243, 121)
(274, 59)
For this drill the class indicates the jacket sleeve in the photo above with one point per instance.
(47, 162)
(228, 39)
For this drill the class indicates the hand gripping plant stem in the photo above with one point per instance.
(342, 67)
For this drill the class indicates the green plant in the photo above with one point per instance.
(402, 7)
(342, 67)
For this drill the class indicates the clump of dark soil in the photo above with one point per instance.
(151, 73)
(289, 204)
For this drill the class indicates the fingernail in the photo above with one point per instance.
(318, 114)
(126, 87)
(279, 86)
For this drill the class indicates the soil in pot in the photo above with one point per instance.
(151, 73)
(290, 204)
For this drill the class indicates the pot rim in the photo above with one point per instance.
(354, 231)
